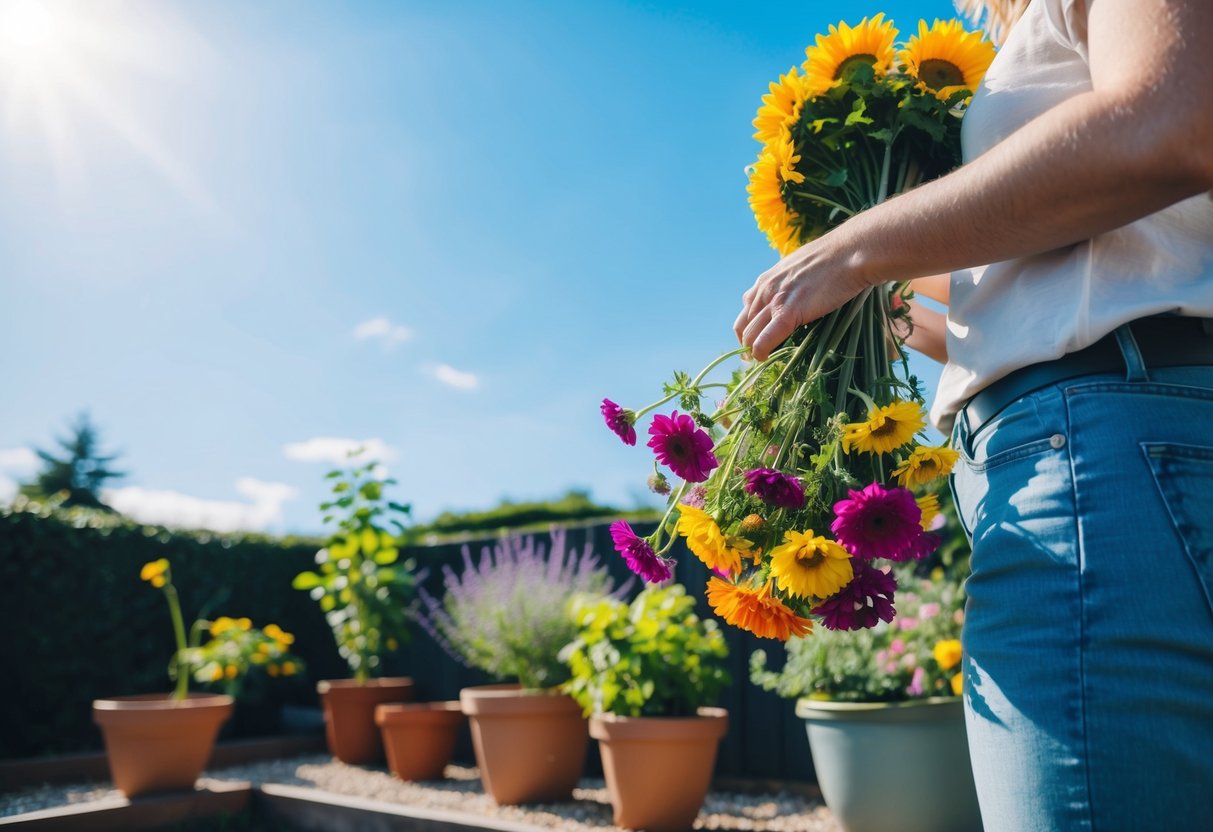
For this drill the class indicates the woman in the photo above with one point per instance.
(1079, 388)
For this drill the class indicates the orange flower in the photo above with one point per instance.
(755, 610)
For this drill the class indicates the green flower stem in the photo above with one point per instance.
(196, 631)
(174, 609)
(655, 541)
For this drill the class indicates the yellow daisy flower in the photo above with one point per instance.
(871, 42)
(775, 167)
(958, 684)
(945, 58)
(755, 610)
(244, 624)
(278, 634)
(886, 429)
(155, 572)
(216, 673)
(221, 625)
(781, 106)
(230, 671)
(928, 504)
(947, 653)
(809, 566)
(272, 670)
(709, 543)
(288, 668)
(925, 463)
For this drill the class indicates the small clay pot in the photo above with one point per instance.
(530, 744)
(419, 739)
(349, 715)
(155, 743)
(658, 770)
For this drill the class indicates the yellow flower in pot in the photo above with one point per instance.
(646, 673)
(159, 742)
(364, 590)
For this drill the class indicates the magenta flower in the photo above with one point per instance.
(917, 683)
(775, 488)
(638, 554)
(868, 598)
(619, 420)
(880, 522)
(682, 446)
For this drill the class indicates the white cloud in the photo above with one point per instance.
(171, 508)
(8, 489)
(383, 331)
(18, 460)
(458, 379)
(337, 450)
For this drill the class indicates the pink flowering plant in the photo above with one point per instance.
(914, 655)
(799, 479)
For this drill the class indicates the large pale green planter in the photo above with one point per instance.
(893, 766)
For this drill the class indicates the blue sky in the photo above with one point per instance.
(235, 232)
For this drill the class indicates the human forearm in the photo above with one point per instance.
(927, 332)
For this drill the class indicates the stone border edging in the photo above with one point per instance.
(141, 813)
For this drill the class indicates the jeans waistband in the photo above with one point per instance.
(1133, 349)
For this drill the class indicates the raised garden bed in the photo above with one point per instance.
(314, 792)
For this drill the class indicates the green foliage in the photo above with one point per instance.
(359, 584)
(574, 506)
(889, 663)
(78, 476)
(654, 657)
(86, 627)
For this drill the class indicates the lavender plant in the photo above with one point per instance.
(509, 613)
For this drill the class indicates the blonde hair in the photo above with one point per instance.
(996, 17)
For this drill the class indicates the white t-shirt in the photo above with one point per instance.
(1020, 312)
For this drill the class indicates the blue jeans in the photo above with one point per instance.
(1088, 638)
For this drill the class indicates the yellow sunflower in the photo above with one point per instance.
(775, 166)
(756, 610)
(945, 58)
(781, 106)
(809, 566)
(947, 653)
(886, 429)
(705, 539)
(871, 42)
(924, 464)
(928, 504)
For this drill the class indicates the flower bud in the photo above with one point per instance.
(658, 484)
(751, 524)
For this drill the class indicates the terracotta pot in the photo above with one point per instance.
(419, 739)
(155, 743)
(530, 744)
(349, 715)
(658, 770)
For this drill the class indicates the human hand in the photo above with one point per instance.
(810, 282)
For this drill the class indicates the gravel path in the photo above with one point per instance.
(589, 811)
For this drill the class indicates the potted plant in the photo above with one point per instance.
(509, 616)
(159, 742)
(884, 715)
(240, 660)
(646, 674)
(364, 590)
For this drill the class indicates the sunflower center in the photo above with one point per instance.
(852, 63)
(809, 558)
(885, 428)
(937, 74)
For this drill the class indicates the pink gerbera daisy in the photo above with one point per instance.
(880, 522)
(682, 446)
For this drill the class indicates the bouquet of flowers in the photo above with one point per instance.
(803, 474)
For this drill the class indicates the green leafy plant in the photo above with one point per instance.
(914, 656)
(653, 657)
(361, 583)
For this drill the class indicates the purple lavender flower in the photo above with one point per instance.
(682, 446)
(775, 488)
(619, 420)
(638, 554)
(880, 522)
(868, 598)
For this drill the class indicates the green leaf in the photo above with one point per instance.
(306, 580)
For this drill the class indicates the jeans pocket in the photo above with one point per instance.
(1183, 475)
